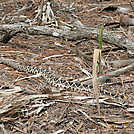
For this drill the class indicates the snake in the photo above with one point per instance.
(52, 79)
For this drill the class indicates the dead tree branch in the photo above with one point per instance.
(77, 34)
(118, 72)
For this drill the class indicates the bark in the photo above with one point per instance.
(121, 63)
(79, 33)
(118, 72)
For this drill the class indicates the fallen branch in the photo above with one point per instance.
(121, 63)
(118, 72)
(81, 32)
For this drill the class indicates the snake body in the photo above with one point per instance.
(51, 78)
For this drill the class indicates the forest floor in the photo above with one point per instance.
(61, 112)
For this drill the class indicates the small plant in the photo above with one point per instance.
(100, 37)
(97, 66)
(100, 40)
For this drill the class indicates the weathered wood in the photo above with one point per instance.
(77, 34)
(121, 63)
(117, 72)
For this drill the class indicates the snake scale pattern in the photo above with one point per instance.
(51, 78)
